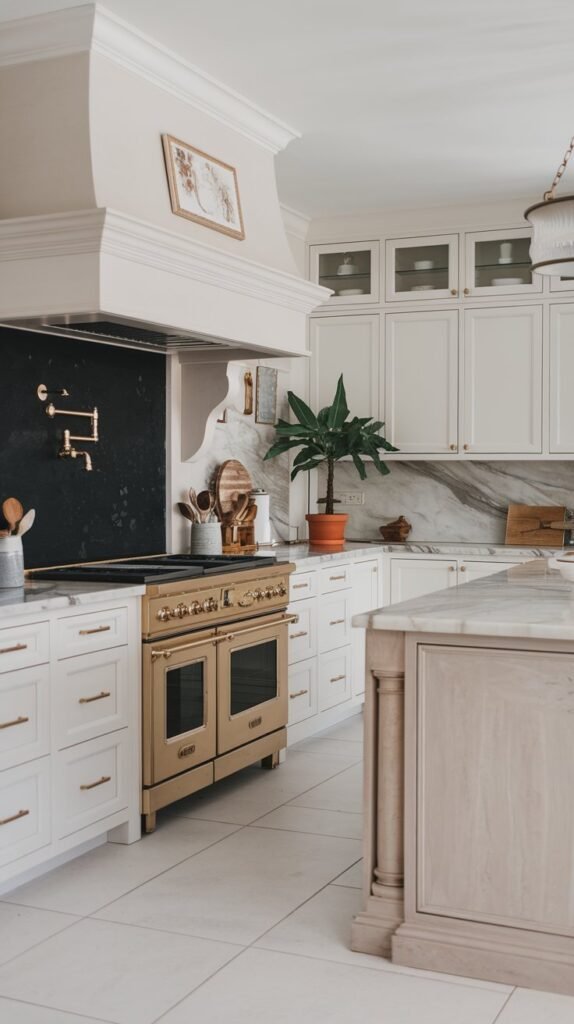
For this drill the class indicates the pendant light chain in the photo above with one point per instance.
(550, 193)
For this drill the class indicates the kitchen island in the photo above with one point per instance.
(469, 770)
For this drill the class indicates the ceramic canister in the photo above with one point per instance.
(206, 539)
(11, 562)
(263, 518)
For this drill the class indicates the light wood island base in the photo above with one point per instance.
(469, 851)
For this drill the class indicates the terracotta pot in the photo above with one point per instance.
(327, 531)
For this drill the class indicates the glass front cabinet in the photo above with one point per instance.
(498, 263)
(351, 271)
(419, 269)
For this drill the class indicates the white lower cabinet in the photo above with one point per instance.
(334, 678)
(365, 596)
(334, 621)
(414, 577)
(70, 694)
(468, 571)
(302, 690)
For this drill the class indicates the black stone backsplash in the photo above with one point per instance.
(119, 508)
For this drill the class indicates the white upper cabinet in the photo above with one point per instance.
(347, 345)
(502, 380)
(421, 268)
(421, 380)
(561, 378)
(350, 270)
(498, 263)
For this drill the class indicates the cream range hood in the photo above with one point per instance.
(89, 246)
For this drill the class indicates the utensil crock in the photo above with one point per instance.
(206, 539)
(11, 562)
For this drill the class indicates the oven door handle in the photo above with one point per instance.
(285, 620)
(167, 653)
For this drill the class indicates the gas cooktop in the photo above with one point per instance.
(159, 569)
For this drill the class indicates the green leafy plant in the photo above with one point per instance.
(328, 437)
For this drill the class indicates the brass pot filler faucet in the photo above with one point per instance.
(67, 451)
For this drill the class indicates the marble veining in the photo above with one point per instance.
(529, 600)
(445, 500)
(35, 597)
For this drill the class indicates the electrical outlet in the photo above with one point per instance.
(351, 498)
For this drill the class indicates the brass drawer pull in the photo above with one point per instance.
(186, 751)
(299, 586)
(14, 817)
(98, 629)
(255, 722)
(97, 696)
(99, 782)
(343, 576)
(16, 647)
(298, 693)
(337, 679)
(295, 636)
(15, 721)
(336, 622)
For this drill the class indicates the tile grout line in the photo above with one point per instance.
(72, 1014)
(504, 1005)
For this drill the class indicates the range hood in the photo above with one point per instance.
(89, 245)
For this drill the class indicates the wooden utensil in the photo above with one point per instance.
(231, 479)
(240, 507)
(205, 502)
(187, 511)
(12, 511)
(26, 523)
(534, 524)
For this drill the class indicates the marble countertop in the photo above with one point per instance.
(529, 600)
(37, 597)
(303, 555)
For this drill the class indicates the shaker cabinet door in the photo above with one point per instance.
(502, 375)
(414, 577)
(421, 374)
(561, 377)
(347, 345)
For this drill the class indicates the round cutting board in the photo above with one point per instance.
(231, 479)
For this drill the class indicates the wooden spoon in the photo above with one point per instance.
(26, 523)
(205, 503)
(187, 511)
(12, 511)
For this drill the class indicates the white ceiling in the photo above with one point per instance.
(400, 105)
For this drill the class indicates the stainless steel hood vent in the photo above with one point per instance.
(122, 331)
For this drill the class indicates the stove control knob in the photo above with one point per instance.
(179, 611)
(269, 592)
(258, 595)
(281, 590)
(194, 608)
(210, 605)
(163, 614)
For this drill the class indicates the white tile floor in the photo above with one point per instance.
(237, 909)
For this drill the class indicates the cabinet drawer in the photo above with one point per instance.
(91, 781)
(24, 715)
(90, 695)
(80, 634)
(24, 809)
(338, 577)
(334, 621)
(302, 690)
(302, 584)
(334, 678)
(25, 645)
(303, 634)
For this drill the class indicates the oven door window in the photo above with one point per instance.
(184, 697)
(253, 676)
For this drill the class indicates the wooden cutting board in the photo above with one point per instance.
(530, 524)
(231, 479)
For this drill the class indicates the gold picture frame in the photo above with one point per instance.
(202, 188)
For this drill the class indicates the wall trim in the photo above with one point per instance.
(112, 233)
(92, 28)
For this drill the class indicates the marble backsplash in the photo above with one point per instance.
(464, 501)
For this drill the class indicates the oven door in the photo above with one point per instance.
(252, 687)
(179, 719)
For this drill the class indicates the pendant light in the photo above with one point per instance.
(552, 222)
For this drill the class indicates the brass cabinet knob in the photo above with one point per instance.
(453, 291)
(463, 568)
(453, 447)
(451, 568)
(466, 447)
(466, 291)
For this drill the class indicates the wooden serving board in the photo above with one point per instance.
(231, 479)
(530, 524)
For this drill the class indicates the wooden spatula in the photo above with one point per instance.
(12, 511)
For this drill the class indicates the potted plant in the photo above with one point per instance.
(328, 437)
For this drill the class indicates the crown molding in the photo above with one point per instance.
(109, 232)
(92, 28)
(295, 222)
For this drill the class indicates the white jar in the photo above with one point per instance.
(11, 562)
(206, 539)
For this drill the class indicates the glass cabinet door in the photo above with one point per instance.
(498, 263)
(422, 268)
(351, 271)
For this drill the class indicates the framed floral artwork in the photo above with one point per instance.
(202, 188)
